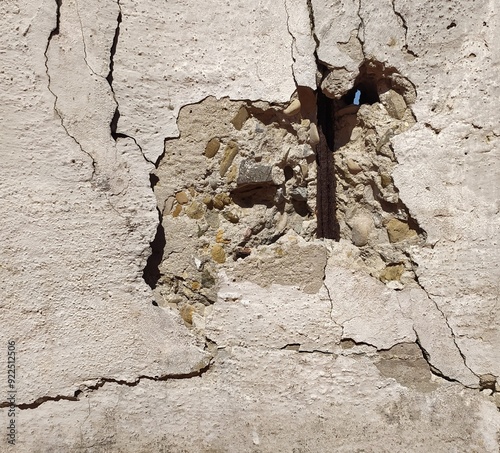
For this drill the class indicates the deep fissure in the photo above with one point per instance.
(102, 381)
(151, 273)
(114, 121)
(326, 202)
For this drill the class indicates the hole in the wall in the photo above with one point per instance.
(301, 208)
(363, 92)
(337, 118)
(452, 25)
(327, 225)
(151, 273)
(288, 172)
(249, 196)
(245, 180)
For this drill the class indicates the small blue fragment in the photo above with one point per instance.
(356, 97)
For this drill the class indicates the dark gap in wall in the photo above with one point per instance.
(328, 227)
(363, 92)
(109, 77)
(151, 273)
(114, 124)
(114, 121)
(288, 172)
(55, 31)
(251, 195)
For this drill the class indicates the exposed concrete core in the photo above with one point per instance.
(240, 176)
(370, 211)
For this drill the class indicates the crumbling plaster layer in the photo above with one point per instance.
(78, 214)
(264, 321)
(183, 53)
(448, 173)
(256, 400)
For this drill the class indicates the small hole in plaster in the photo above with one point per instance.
(364, 92)
(452, 25)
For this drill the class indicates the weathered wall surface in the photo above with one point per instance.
(196, 129)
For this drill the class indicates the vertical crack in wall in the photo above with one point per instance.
(83, 40)
(293, 40)
(110, 77)
(55, 32)
(327, 225)
(405, 28)
(361, 30)
(151, 271)
(355, 155)
(370, 211)
(326, 192)
(357, 198)
(114, 121)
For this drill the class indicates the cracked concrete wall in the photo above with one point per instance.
(116, 115)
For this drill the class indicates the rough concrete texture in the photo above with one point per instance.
(161, 275)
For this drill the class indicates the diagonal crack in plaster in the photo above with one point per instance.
(433, 368)
(55, 32)
(453, 336)
(84, 389)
